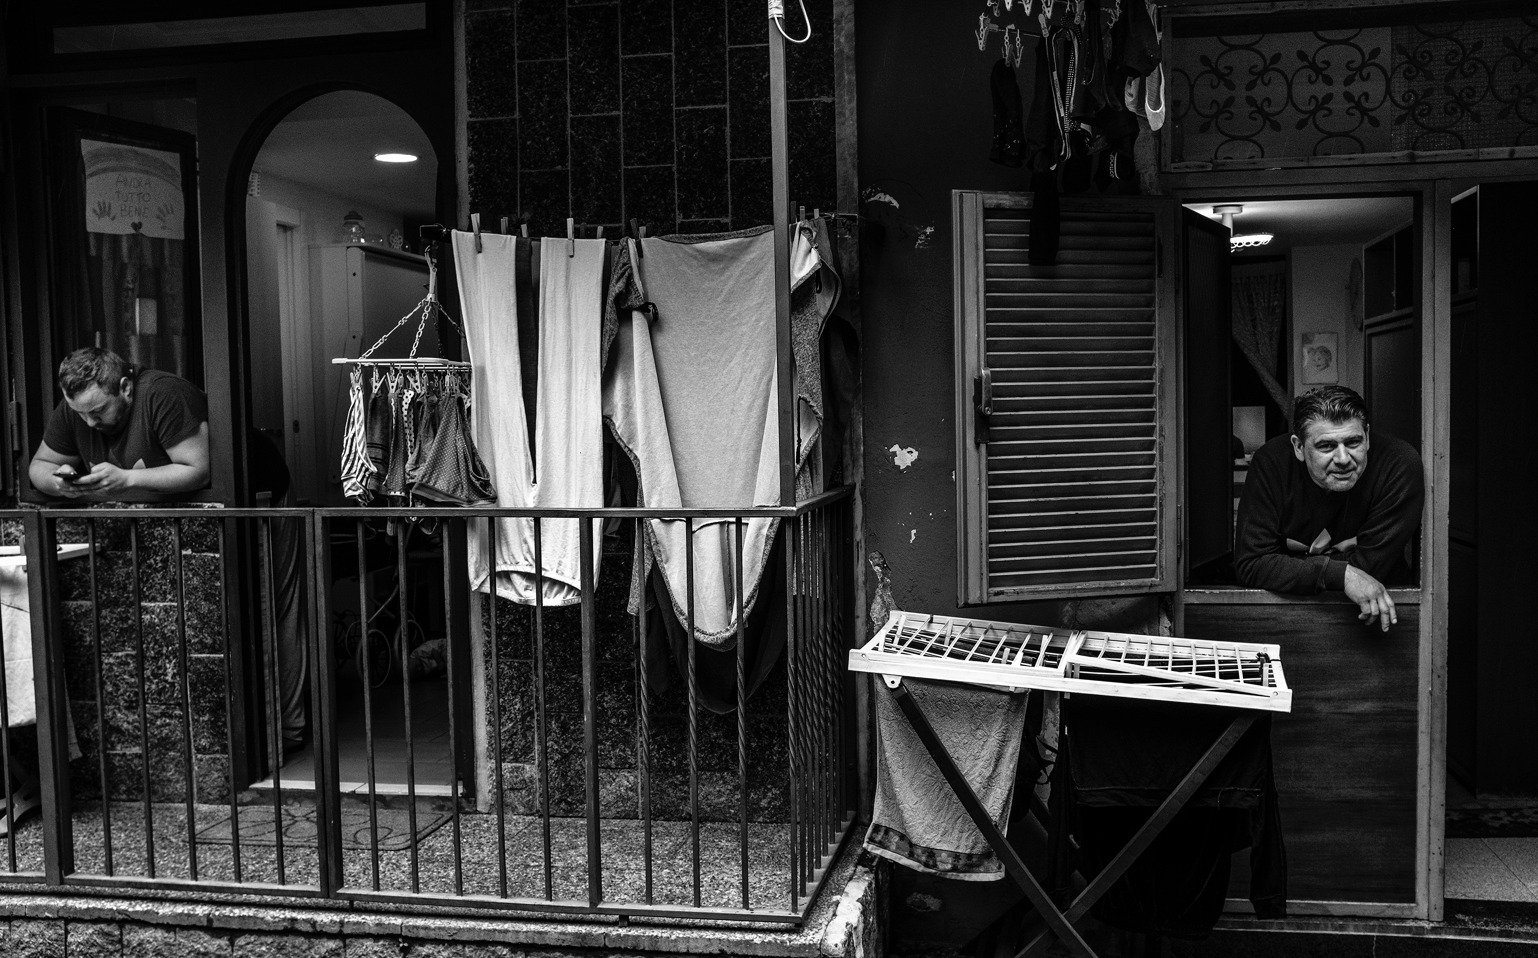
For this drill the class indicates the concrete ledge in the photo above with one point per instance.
(845, 922)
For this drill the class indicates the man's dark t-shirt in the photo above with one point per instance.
(1298, 538)
(166, 410)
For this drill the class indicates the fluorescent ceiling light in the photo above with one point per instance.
(396, 157)
(1244, 240)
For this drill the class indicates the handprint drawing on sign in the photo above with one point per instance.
(103, 210)
(163, 213)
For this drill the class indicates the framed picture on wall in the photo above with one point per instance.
(1318, 355)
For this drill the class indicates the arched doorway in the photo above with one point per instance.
(332, 261)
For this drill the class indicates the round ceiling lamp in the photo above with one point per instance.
(1246, 240)
(396, 157)
(1227, 212)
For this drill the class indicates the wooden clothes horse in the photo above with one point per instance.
(1240, 675)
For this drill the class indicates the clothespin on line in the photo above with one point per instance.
(571, 236)
(475, 227)
(600, 231)
(503, 230)
(638, 233)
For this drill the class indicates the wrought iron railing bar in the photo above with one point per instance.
(792, 649)
(542, 743)
(322, 652)
(585, 553)
(144, 724)
(694, 756)
(807, 688)
(643, 737)
(402, 639)
(742, 712)
(274, 669)
(101, 704)
(841, 625)
(365, 653)
(496, 700)
(832, 675)
(825, 676)
(185, 664)
(229, 709)
(450, 662)
(5, 766)
(459, 512)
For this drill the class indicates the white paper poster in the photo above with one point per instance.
(133, 189)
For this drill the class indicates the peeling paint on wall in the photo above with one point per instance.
(902, 457)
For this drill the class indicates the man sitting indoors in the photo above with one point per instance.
(1318, 513)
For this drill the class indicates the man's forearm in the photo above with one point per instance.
(1294, 575)
(170, 479)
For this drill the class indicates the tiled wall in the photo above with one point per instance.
(658, 110)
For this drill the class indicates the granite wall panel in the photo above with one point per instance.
(589, 109)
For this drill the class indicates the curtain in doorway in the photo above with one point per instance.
(1258, 316)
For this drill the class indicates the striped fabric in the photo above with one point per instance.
(355, 464)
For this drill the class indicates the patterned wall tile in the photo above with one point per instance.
(594, 76)
(748, 73)
(646, 26)
(541, 29)
(704, 176)
(542, 114)
(648, 107)
(700, 53)
(491, 90)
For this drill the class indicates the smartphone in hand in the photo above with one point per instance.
(67, 473)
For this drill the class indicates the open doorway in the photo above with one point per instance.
(1492, 714)
(333, 206)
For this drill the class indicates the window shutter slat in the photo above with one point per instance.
(1066, 494)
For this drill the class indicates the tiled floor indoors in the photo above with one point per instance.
(1488, 869)
(430, 739)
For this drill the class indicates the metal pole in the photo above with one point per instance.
(779, 143)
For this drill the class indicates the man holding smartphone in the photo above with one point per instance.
(121, 433)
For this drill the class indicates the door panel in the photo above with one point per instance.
(1209, 408)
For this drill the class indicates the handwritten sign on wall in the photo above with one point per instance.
(133, 189)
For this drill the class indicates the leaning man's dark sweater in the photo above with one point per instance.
(1296, 537)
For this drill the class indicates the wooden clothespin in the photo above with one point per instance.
(475, 227)
(600, 231)
(524, 229)
(800, 212)
(503, 231)
(816, 213)
(571, 236)
(635, 230)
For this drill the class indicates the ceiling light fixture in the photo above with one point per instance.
(396, 157)
(1227, 212)
(1245, 240)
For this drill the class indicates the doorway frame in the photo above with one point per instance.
(1432, 183)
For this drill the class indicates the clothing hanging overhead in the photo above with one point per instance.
(405, 438)
(567, 420)
(692, 398)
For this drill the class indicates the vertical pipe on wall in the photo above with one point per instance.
(779, 143)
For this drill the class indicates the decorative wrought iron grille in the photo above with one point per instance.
(1417, 87)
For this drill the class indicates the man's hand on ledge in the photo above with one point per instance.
(1371, 597)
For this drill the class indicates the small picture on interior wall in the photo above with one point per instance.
(1319, 352)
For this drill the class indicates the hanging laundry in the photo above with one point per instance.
(452, 471)
(692, 398)
(355, 461)
(568, 429)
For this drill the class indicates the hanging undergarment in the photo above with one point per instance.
(568, 424)
(452, 472)
(355, 462)
(692, 398)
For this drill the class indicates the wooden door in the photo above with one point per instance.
(1209, 405)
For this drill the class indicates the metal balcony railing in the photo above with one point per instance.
(455, 749)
